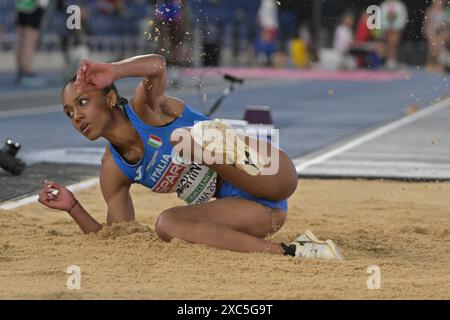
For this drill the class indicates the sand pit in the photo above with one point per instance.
(404, 228)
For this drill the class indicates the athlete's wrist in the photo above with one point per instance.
(72, 206)
(116, 71)
(139, 66)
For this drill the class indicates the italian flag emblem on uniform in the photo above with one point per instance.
(155, 141)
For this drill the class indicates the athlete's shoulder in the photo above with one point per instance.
(171, 106)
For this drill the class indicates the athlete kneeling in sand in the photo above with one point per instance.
(142, 133)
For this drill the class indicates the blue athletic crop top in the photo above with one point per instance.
(163, 170)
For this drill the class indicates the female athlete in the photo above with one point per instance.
(229, 205)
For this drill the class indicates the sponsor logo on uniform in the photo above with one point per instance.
(170, 178)
(160, 168)
(152, 161)
(138, 174)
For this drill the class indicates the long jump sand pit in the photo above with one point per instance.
(404, 228)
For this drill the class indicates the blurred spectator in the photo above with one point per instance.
(238, 25)
(211, 37)
(343, 36)
(394, 18)
(343, 41)
(300, 47)
(171, 22)
(436, 32)
(28, 23)
(267, 19)
(304, 32)
(211, 43)
(331, 12)
(288, 23)
(73, 42)
(311, 45)
(368, 47)
(116, 12)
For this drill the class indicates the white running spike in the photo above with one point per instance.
(225, 141)
(309, 246)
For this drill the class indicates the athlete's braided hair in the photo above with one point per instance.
(112, 87)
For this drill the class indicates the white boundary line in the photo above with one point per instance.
(300, 165)
(32, 199)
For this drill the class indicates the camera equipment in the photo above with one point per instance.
(8, 160)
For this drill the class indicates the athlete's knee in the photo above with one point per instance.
(166, 223)
(278, 219)
(288, 188)
(290, 182)
(281, 191)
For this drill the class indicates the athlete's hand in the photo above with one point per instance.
(94, 75)
(61, 199)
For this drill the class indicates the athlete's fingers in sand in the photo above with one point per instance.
(58, 186)
(47, 198)
(43, 198)
(45, 195)
(48, 188)
(51, 190)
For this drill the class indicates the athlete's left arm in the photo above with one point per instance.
(152, 68)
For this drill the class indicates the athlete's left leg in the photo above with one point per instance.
(279, 183)
(234, 224)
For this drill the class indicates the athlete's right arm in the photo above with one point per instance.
(56, 196)
(116, 191)
(115, 188)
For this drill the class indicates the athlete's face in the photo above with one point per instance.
(89, 112)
